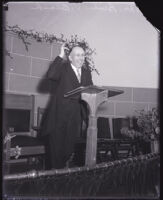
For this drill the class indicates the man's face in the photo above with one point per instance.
(77, 57)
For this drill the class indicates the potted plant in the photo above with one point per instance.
(146, 129)
(149, 126)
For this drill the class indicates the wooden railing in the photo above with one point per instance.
(137, 176)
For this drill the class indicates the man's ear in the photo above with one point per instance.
(69, 57)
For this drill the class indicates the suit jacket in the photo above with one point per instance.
(63, 115)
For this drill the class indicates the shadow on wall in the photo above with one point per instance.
(46, 86)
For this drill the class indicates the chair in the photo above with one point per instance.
(125, 147)
(21, 145)
(105, 148)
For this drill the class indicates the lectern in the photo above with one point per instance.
(94, 96)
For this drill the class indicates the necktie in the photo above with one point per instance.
(78, 74)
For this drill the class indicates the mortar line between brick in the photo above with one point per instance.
(12, 39)
(118, 101)
(8, 82)
(31, 56)
(30, 67)
(111, 116)
(114, 103)
(104, 115)
(20, 92)
(51, 52)
(132, 95)
(26, 75)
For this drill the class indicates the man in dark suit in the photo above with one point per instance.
(63, 117)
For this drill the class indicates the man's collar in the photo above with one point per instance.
(74, 67)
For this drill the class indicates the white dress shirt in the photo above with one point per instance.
(77, 72)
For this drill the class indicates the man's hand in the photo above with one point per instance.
(63, 51)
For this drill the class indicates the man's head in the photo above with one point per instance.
(77, 56)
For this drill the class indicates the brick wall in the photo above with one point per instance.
(132, 99)
(25, 71)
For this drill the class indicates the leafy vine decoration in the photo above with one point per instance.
(44, 37)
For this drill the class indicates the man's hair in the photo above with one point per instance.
(76, 46)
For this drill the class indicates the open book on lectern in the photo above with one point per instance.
(93, 89)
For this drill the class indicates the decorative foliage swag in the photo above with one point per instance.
(44, 37)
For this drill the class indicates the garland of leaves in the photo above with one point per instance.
(44, 37)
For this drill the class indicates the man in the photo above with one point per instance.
(63, 117)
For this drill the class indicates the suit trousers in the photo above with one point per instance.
(60, 144)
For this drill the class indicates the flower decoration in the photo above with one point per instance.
(128, 129)
(147, 125)
(130, 133)
(44, 37)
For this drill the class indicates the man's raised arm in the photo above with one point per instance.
(55, 70)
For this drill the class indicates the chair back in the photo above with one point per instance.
(40, 112)
(18, 112)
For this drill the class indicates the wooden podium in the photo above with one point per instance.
(94, 96)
